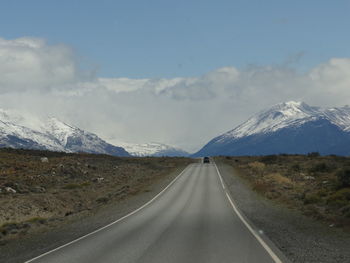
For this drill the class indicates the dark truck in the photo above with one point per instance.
(206, 160)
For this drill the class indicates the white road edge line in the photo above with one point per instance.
(261, 241)
(110, 224)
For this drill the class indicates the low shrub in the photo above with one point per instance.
(37, 219)
(279, 179)
(313, 154)
(343, 177)
(75, 185)
(7, 227)
(269, 159)
(102, 200)
(312, 199)
(261, 186)
(257, 167)
(85, 184)
(340, 198)
(71, 186)
(345, 211)
(296, 167)
(320, 167)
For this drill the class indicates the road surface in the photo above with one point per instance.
(192, 220)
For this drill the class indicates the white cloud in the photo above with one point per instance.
(186, 112)
(29, 63)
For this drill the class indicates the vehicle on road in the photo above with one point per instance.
(206, 160)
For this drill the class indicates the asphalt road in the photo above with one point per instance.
(192, 220)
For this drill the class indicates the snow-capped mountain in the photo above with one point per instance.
(20, 130)
(290, 127)
(152, 149)
(16, 131)
(15, 135)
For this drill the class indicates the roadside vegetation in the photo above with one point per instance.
(319, 186)
(42, 189)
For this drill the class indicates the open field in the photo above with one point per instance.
(319, 186)
(40, 189)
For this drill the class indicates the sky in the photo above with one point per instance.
(175, 72)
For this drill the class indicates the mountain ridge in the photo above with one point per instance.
(51, 134)
(21, 130)
(153, 149)
(279, 124)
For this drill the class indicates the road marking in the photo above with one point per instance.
(222, 182)
(261, 241)
(110, 224)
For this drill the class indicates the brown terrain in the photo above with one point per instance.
(318, 186)
(42, 190)
(50, 198)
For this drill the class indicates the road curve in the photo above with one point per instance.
(193, 220)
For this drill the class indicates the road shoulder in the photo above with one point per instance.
(301, 239)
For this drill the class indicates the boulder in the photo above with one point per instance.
(44, 159)
(10, 190)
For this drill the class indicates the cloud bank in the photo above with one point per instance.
(45, 79)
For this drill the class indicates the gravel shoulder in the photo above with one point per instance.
(80, 224)
(300, 238)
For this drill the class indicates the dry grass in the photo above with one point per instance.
(69, 184)
(278, 179)
(319, 186)
(257, 167)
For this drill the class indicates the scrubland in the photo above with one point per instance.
(41, 189)
(318, 186)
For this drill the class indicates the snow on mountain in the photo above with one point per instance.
(339, 117)
(289, 114)
(18, 136)
(78, 140)
(30, 132)
(60, 130)
(21, 130)
(293, 127)
(152, 149)
(277, 117)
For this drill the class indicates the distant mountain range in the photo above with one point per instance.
(51, 134)
(290, 127)
(152, 149)
(18, 130)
